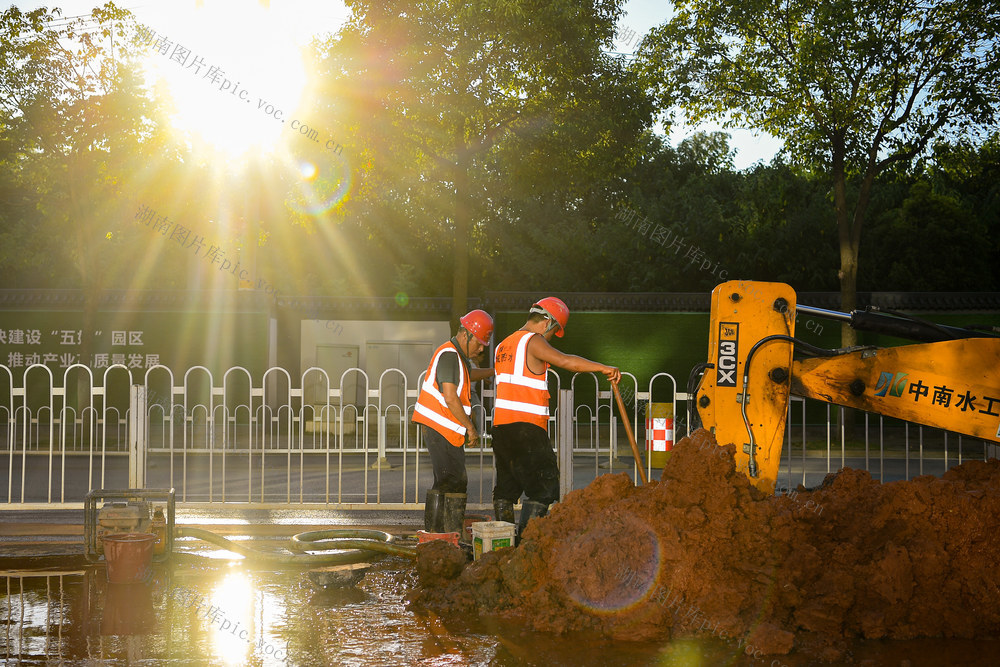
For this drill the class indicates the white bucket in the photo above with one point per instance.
(490, 536)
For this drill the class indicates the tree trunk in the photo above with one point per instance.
(848, 291)
(91, 305)
(848, 273)
(463, 225)
(849, 234)
(89, 271)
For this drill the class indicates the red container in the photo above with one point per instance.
(128, 556)
(471, 519)
(424, 536)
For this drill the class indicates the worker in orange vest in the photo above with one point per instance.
(444, 409)
(524, 458)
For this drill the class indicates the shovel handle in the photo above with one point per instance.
(628, 432)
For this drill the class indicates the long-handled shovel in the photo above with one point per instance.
(628, 432)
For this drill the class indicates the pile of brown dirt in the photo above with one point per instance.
(704, 553)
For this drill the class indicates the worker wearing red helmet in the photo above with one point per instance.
(524, 458)
(444, 409)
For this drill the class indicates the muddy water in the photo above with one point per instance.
(235, 615)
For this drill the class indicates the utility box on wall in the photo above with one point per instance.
(409, 357)
(356, 353)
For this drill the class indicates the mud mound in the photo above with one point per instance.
(703, 552)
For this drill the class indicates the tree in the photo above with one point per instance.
(934, 226)
(852, 87)
(438, 89)
(73, 118)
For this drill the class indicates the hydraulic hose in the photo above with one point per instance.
(694, 418)
(802, 346)
(354, 546)
(349, 539)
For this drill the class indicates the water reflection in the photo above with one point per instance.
(234, 615)
(128, 610)
(230, 617)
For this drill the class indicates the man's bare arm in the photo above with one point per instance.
(477, 374)
(540, 348)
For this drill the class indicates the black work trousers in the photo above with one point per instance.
(525, 463)
(448, 462)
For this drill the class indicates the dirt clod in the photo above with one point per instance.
(438, 562)
(702, 552)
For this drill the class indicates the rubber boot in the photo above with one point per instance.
(454, 514)
(529, 510)
(434, 512)
(503, 510)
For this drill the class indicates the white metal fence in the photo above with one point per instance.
(890, 449)
(36, 617)
(278, 441)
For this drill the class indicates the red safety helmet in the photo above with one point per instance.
(553, 308)
(479, 324)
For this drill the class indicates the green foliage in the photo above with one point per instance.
(482, 119)
(833, 75)
(72, 127)
(936, 228)
(942, 248)
(852, 87)
(767, 223)
(500, 131)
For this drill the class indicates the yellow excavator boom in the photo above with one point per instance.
(952, 383)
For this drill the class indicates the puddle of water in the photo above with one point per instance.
(241, 615)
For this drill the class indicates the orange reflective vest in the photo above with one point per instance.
(521, 395)
(431, 408)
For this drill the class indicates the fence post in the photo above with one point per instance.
(613, 439)
(381, 462)
(564, 441)
(137, 437)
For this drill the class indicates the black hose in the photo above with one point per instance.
(376, 540)
(800, 347)
(354, 546)
(694, 378)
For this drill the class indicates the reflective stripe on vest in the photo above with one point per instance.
(521, 395)
(431, 408)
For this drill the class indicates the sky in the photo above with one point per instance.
(751, 147)
(261, 45)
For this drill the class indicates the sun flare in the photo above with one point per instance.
(234, 75)
(232, 627)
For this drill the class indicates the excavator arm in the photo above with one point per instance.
(951, 382)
